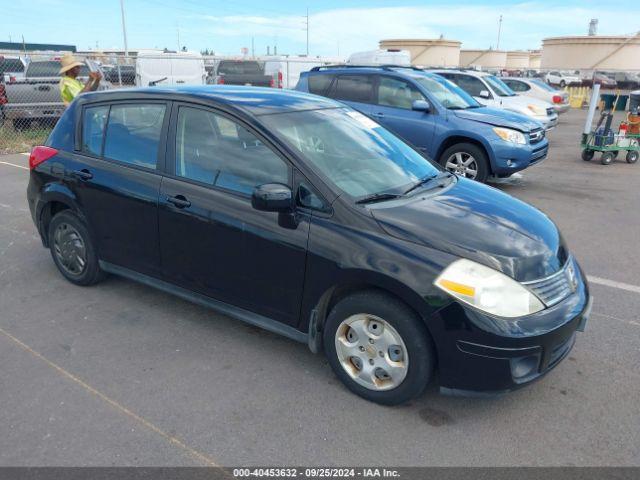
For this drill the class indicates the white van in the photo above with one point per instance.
(286, 69)
(400, 58)
(170, 68)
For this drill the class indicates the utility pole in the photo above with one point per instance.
(253, 48)
(178, 33)
(499, 31)
(124, 29)
(307, 31)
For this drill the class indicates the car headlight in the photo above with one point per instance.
(509, 135)
(537, 110)
(487, 289)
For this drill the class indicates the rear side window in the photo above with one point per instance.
(93, 123)
(217, 151)
(319, 84)
(354, 88)
(516, 86)
(133, 134)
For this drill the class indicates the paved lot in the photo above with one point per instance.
(120, 374)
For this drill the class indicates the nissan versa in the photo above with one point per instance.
(302, 216)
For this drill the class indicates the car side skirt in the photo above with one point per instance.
(221, 307)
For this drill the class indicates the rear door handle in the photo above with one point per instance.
(83, 174)
(379, 115)
(179, 201)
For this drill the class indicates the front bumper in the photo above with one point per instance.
(511, 158)
(481, 355)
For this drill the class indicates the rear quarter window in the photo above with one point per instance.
(319, 84)
(94, 120)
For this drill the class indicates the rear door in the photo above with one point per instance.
(212, 240)
(393, 110)
(355, 90)
(117, 178)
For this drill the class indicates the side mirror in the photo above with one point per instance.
(272, 197)
(420, 105)
(484, 94)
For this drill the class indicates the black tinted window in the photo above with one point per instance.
(240, 68)
(393, 92)
(516, 85)
(11, 65)
(469, 84)
(354, 88)
(212, 149)
(133, 134)
(319, 84)
(93, 121)
(50, 69)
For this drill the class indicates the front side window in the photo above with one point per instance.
(354, 88)
(393, 92)
(133, 134)
(215, 150)
(93, 121)
(354, 153)
(446, 92)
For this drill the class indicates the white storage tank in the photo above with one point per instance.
(535, 59)
(493, 59)
(518, 60)
(601, 52)
(438, 52)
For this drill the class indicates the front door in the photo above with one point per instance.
(393, 111)
(211, 239)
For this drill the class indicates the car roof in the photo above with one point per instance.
(476, 73)
(255, 100)
(371, 69)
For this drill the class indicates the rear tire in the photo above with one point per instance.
(453, 158)
(72, 249)
(388, 357)
(632, 156)
(21, 124)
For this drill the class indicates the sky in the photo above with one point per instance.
(336, 28)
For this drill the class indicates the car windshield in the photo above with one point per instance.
(357, 155)
(542, 85)
(499, 86)
(446, 92)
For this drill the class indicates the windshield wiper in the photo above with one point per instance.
(420, 182)
(378, 197)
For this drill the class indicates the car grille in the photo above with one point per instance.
(536, 136)
(552, 290)
(550, 111)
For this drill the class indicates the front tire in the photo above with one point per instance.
(379, 348)
(587, 155)
(72, 249)
(466, 160)
(606, 158)
(632, 156)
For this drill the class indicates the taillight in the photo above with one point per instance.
(3, 95)
(280, 85)
(272, 82)
(557, 99)
(220, 80)
(12, 79)
(40, 154)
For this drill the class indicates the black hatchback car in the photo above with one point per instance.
(300, 215)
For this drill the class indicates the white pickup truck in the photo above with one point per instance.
(36, 97)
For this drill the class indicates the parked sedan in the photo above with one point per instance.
(300, 215)
(536, 88)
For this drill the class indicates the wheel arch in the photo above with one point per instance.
(455, 139)
(353, 283)
(55, 198)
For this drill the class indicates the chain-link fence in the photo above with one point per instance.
(31, 103)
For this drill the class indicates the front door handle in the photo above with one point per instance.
(179, 201)
(379, 115)
(83, 174)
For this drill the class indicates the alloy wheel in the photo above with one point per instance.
(372, 352)
(463, 164)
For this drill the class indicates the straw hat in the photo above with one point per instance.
(68, 62)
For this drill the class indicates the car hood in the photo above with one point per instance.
(474, 221)
(499, 118)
